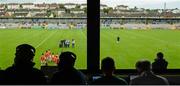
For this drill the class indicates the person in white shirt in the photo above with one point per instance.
(73, 43)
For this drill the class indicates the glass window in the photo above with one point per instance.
(138, 29)
(50, 26)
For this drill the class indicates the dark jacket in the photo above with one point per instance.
(69, 77)
(159, 65)
(2, 77)
(24, 75)
(109, 81)
(149, 78)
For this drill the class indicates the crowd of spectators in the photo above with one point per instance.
(22, 71)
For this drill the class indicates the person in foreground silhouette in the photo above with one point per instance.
(160, 64)
(22, 71)
(146, 76)
(2, 77)
(67, 74)
(108, 78)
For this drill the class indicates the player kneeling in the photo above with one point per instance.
(43, 60)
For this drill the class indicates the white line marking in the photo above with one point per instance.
(84, 35)
(45, 39)
(153, 38)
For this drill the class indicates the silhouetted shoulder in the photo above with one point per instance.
(2, 77)
(67, 74)
(24, 76)
(163, 79)
(109, 81)
(159, 65)
(70, 77)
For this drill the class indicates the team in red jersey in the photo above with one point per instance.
(49, 57)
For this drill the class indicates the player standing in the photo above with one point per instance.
(118, 39)
(53, 57)
(48, 55)
(68, 43)
(43, 60)
(56, 59)
(73, 43)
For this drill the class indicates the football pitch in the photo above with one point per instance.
(133, 46)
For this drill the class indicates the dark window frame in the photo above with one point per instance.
(93, 35)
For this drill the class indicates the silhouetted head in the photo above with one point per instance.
(67, 60)
(143, 65)
(24, 54)
(160, 55)
(108, 66)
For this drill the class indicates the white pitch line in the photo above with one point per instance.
(45, 40)
(153, 38)
(84, 35)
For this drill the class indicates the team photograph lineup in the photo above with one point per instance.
(48, 56)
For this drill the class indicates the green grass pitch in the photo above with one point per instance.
(133, 45)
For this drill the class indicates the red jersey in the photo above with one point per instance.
(57, 59)
(43, 58)
(53, 58)
(46, 54)
(49, 52)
